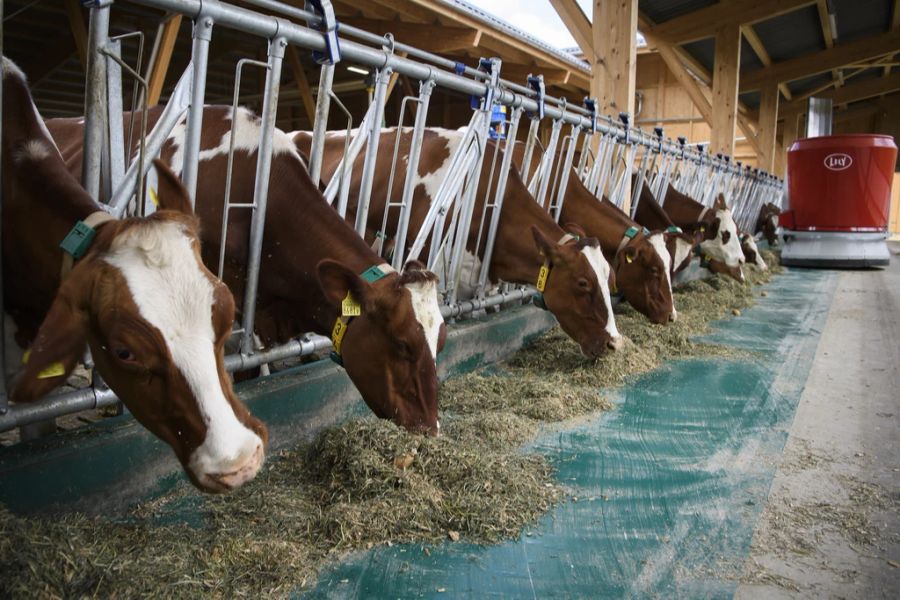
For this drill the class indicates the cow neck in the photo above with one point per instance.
(320, 234)
(599, 217)
(516, 257)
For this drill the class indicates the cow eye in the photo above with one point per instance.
(124, 354)
(584, 284)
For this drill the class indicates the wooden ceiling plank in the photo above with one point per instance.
(432, 39)
(760, 50)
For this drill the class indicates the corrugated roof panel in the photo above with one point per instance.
(860, 18)
(749, 60)
(808, 84)
(792, 34)
(704, 51)
(659, 11)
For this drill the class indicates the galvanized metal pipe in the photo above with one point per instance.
(323, 108)
(96, 127)
(203, 27)
(367, 178)
(261, 190)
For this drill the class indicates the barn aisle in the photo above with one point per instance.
(666, 490)
(831, 526)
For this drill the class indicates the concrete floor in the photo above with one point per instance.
(831, 527)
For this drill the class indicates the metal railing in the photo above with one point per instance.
(610, 149)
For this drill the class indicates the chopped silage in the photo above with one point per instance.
(363, 483)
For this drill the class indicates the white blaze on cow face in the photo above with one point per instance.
(174, 295)
(727, 246)
(683, 249)
(598, 262)
(428, 311)
(658, 243)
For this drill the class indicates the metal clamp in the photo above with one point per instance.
(328, 25)
(536, 83)
(591, 105)
(626, 118)
(659, 135)
(491, 66)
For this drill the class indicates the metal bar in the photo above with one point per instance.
(323, 108)
(113, 176)
(530, 140)
(367, 178)
(412, 164)
(95, 113)
(565, 171)
(202, 35)
(261, 189)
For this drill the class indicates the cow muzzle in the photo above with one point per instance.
(231, 474)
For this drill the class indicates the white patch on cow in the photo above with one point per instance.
(598, 262)
(33, 150)
(758, 261)
(729, 253)
(427, 311)
(433, 180)
(246, 130)
(658, 243)
(683, 249)
(172, 293)
(11, 68)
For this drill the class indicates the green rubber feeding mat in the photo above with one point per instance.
(664, 491)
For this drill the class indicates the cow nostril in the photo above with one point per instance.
(673, 316)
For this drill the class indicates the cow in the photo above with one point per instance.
(721, 242)
(528, 243)
(680, 243)
(312, 262)
(154, 317)
(767, 222)
(639, 258)
(751, 252)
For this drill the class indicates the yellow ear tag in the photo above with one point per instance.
(542, 278)
(628, 259)
(56, 369)
(702, 229)
(350, 307)
(154, 197)
(337, 334)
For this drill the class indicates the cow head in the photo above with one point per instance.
(751, 252)
(643, 277)
(681, 248)
(156, 321)
(577, 292)
(725, 246)
(767, 222)
(389, 350)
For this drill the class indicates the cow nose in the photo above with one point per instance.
(673, 316)
(615, 343)
(234, 473)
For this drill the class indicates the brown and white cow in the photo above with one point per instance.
(577, 288)
(155, 319)
(716, 221)
(680, 243)
(311, 261)
(767, 222)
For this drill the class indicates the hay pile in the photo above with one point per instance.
(360, 484)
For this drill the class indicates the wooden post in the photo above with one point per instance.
(791, 134)
(79, 31)
(768, 119)
(615, 55)
(725, 88)
(306, 96)
(161, 57)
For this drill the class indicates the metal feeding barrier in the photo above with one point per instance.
(610, 151)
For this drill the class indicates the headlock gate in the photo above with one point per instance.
(603, 152)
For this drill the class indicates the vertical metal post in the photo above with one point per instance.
(368, 172)
(261, 189)
(95, 113)
(199, 57)
(529, 147)
(412, 163)
(323, 107)
(565, 171)
(113, 176)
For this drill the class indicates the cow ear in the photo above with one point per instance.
(629, 254)
(171, 193)
(442, 337)
(337, 280)
(576, 230)
(712, 230)
(611, 280)
(720, 202)
(545, 246)
(59, 343)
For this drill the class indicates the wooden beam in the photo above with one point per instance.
(576, 22)
(725, 89)
(822, 61)
(303, 87)
(517, 74)
(763, 55)
(161, 57)
(768, 124)
(704, 23)
(79, 31)
(854, 92)
(614, 61)
(433, 39)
